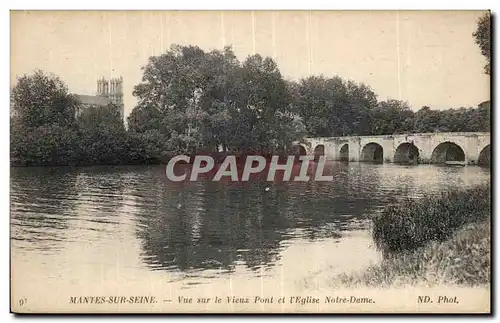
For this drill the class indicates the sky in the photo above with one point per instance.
(422, 57)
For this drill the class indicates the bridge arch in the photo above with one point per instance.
(485, 156)
(344, 152)
(447, 152)
(319, 150)
(372, 152)
(407, 153)
(299, 150)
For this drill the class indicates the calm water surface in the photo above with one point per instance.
(99, 228)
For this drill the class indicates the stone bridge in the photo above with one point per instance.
(468, 148)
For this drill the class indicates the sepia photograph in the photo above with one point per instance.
(244, 162)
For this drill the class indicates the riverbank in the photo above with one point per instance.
(432, 241)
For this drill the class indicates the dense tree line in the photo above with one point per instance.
(332, 107)
(49, 128)
(192, 101)
(199, 101)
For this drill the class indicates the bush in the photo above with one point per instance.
(416, 222)
(45, 145)
(464, 259)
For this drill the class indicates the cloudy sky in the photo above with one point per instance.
(423, 57)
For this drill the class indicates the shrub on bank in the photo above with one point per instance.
(44, 146)
(464, 260)
(416, 222)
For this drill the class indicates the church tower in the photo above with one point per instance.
(113, 90)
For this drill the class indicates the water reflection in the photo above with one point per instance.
(41, 201)
(205, 225)
(208, 225)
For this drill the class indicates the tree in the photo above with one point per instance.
(480, 118)
(361, 100)
(44, 145)
(259, 103)
(482, 37)
(43, 99)
(202, 100)
(145, 117)
(175, 92)
(391, 117)
(426, 120)
(102, 116)
(318, 104)
(43, 128)
(103, 138)
(332, 106)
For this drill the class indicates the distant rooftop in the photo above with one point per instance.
(93, 100)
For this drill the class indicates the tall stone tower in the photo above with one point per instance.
(113, 90)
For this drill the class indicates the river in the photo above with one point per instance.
(95, 230)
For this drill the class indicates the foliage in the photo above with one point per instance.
(97, 116)
(415, 222)
(48, 128)
(41, 99)
(102, 136)
(452, 120)
(332, 106)
(432, 241)
(190, 100)
(202, 101)
(44, 145)
(482, 37)
(391, 117)
(145, 117)
(463, 260)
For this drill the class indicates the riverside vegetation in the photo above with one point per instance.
(433, 240)
(191, 101)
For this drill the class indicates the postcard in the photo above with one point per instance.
(250, 162)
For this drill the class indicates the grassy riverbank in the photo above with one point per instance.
(435, 240)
